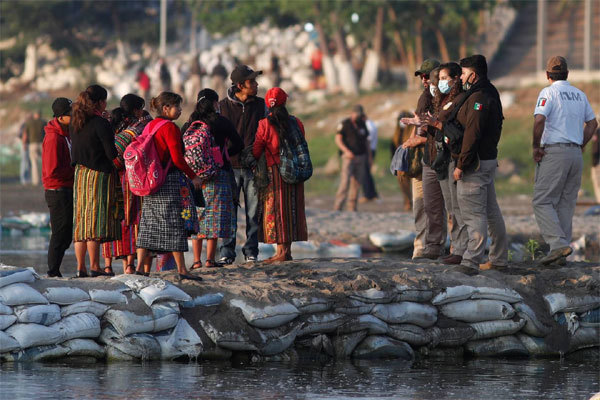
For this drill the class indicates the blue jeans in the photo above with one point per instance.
(25, 165)
(245, 182)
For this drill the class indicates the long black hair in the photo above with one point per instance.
(205, 108)
(123, 116)
(280, 119)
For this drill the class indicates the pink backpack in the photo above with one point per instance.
(144, 170)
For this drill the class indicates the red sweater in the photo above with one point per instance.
(169, 145)
(57, 171)
(267, 138)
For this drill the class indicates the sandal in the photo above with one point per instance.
(81, 273)
(212, 264)
(130, 269)
(110, 271)
(198, 263)
(189, 277)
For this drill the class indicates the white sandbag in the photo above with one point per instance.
(277, 340)
(8, 343)
(182, 341)
(266, 317)
(370, 323)
(583, 338)
(317, 344)
(44, 314)
(500, 346)
(411, 334)
(394, 241)
(6, 321)
(65, 295)
(18, 294)
(153, 289)
(166, 315)
(29, 335)
(407, 293)
(107, 296)
(492, 329)
(321, 323)
(127, 322)
(406, 312)
(78, 326)
(558, 302)
(11, 275)
(373, 296)
(98, 309)
(114, 354)
(451, 336)
(5, 310)
(354, 307)
(37, 353)
(478, 310)
(376, 347)
(84, 348)
(452, 294)
(311, 305)
(206, 300)
(536, 346)
(140, 346)
(504, 294)
(533, 326)
(344, 345)
(237, 340)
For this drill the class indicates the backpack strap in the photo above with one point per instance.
(155, 128)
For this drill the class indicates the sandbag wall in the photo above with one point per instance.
(139, 318)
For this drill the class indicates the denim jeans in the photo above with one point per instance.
(245, 182)
(60, 205)
(25, 165)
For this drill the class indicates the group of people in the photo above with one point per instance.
(208, 162)
(458, 123)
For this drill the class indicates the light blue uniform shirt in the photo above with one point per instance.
(566, 109)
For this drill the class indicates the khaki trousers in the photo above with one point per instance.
(420, 217)
(479, 208)
(595, 174)
(350, 176)
(557, 181)
(458, 233)
(35, 157)
(433, 203)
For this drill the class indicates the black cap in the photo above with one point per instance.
(242, 73)
(61, 106)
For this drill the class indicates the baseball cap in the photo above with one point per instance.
(275, 97)
(242, 73)
(557, 64)
(61, 106)
(427, 66)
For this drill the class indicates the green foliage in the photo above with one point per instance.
(532, 246)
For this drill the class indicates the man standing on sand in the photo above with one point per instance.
(564, 123)
(33, 135)
(244, 109)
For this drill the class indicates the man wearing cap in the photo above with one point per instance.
(244, 109)
(57, 178)
(481, 117)
(564, 122)
(351, 140)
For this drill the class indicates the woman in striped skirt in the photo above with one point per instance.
(282, 217)
(95, 216)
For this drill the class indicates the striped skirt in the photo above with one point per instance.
(95, 209)
(281, 211)
(219, 218)
(168, 216)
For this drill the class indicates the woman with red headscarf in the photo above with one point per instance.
(282, 217)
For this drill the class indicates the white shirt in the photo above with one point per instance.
(372, 128)
(566, 109)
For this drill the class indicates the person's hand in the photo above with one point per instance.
(197, 182)
(416, 120)
(348, 155)
(458, 174)
(431, 121)
(538, 154)
(408, 143)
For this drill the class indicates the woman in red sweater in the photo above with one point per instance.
(169, 215)
(281, 216)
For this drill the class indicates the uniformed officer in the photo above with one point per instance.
(564, 123)
(481, 116)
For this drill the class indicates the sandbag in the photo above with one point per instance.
(37, 353)
(500, 346)
(165, 314)
(311, 305)
(395, 241)
(8, 343)
(268, 316)
(353, 307)
(451, 336)
(182, 341)
(140, 346)
(492, 329)
(373, 296)
(590, 319)
(570, 319)
(536, 346)
(559, 302)
(277, 340)
(114, 354)
(411, 334)
(126, 322)
(30, 335)
(406, 293)
(370, 323)
(317, 344)
(65, 295)
(344, 345)
(478, 310)
(6, 321)
(98, 309)
(44, 314)
(84, 348)
(18, 294)
(452, 294)
(377, 347)
(533, 326)
(107, 296)
(207, 300)
(153, 289)
(5, 310)
(583, 338)
(78, 326)
(406, 312)
(321, 323)
(237, 340)
(11, 275)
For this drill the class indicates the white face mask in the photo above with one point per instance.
(444, 87)
(432, 89)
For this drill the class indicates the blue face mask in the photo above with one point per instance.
(432, 90)
(444, 87)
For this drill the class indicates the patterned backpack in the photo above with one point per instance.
(295, 165)
(201, 153)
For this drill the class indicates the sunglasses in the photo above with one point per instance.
(424, 76)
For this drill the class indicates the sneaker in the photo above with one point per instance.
(488, 265)
(556, 254)
(452, 259)
(251, 258)
(54, 275)
(226, 261)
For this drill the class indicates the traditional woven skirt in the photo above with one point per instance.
(282, 217)
(95, 210)
(219, 218)
(168, 216)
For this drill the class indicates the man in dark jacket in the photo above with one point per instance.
(244, 109)
(481, 117)
(57, 178)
